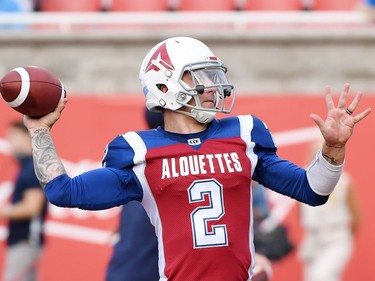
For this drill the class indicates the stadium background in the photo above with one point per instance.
(280, 63)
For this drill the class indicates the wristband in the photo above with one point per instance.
(323, 176)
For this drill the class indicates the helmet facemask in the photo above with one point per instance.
(197, 78)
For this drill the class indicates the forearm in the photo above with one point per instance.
(18, 212)
(47, 163)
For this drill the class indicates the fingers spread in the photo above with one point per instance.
(329, 101)
(361, 115)
(344, 93)
(317, 119)
(354, 103)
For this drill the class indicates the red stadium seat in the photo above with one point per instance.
(334, 5)
(273, 5)
(206, 5)
(70, 5)
(138, 5)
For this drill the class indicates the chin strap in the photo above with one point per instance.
(203, 117)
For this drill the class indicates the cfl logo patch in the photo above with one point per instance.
(195, 141)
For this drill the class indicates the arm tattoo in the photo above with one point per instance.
(330, 159)
(47, 163)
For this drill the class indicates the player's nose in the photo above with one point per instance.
(210, 90)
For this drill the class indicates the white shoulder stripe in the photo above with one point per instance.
(246, 126)
(135, 141)
(25, 87)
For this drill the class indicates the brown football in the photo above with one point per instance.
(32, 90)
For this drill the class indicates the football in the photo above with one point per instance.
(32, 90)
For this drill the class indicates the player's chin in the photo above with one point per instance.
(208, 105)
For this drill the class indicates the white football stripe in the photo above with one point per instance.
(25, 87)
(62, 90)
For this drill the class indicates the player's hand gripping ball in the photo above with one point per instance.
(32, 90)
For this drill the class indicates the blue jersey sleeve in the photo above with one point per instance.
(262, 137)
(286, 178)
(118, 154)
(113, 185)
(94, 190)
(277, 174)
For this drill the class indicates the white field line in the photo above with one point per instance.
(72, 232)
(297, 136)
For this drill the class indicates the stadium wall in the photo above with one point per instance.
(260, 60)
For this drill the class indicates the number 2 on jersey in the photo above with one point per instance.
(203, 235)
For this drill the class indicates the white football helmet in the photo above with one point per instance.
(166, 64)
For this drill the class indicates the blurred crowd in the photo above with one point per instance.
(182, 5)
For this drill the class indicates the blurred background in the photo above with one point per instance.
(280, 54)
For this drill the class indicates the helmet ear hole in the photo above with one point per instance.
(162, 87)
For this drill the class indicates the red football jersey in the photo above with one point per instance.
(197, 193)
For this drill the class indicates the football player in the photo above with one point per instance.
(193, 177)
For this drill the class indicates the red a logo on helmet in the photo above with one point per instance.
(161, 57)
